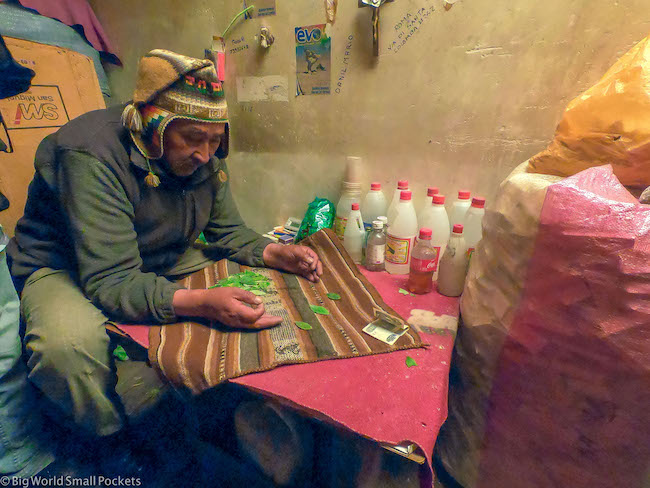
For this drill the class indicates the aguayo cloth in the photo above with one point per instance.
(201, 355)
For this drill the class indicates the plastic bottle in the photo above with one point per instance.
(354, 234)
(376, 248)
(435, 218)
(384, 220)
(402, 185)
(459, 209)
(423, 263)
(374, 205)
(474, 224)
(453, 265)
(351, 193)
(432, 190)
(401, 236)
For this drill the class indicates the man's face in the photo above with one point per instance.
(189, 145)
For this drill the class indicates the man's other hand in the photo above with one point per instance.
(300, 260)
(233, 307)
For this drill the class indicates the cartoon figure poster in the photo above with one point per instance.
(313, 60)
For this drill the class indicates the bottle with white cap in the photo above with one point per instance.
(453, 265)
(431, 190)
(374, 205)
(401, 236)
(384, 220)
(402, 185)
(459, 208)
(376, 248)
(351, 194)
(474, 224)
(354, 234)
(435, 218)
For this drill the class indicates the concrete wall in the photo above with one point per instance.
(473, 92)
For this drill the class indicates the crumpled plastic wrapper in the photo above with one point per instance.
(320, 215)
(551, 369)
(330, 10)
(607, 124)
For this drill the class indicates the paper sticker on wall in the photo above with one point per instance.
(273, 88)
(262, 7)
(313, 60)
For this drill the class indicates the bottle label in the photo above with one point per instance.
(376, 254)
(398, 249)
(339, 226)
(426, 265)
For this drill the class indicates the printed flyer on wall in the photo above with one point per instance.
(313, 60)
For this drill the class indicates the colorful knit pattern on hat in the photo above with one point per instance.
(172, 86)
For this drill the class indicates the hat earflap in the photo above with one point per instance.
(132, 119)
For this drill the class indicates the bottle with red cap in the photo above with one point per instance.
(431, 190)
(474, 224)
(435, 218)
(423, 263)
(354, 234)
(374, 205)
(401, 236)
(459, 208)
(402, 185)
(453, 265)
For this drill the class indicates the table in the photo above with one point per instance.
(378, 396)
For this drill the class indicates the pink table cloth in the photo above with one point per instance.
(378, 396)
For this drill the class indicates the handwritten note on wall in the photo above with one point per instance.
(408, 26)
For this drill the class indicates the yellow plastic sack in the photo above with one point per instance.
(608, 124)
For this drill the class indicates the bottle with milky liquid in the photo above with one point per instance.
(376, 248)
(374, 205)
(459, 209)
(402, 185)
(423, 263)
(401, 236)
(474, 224)
(435, 218)
(432, 190)
(351, 194)
(354, 234)
(453, 265)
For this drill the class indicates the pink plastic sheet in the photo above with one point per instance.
(571, 395)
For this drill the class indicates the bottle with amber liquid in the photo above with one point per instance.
(423, 264)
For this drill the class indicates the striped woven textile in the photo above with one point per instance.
(199, 356)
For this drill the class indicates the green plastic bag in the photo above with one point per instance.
(320, 215)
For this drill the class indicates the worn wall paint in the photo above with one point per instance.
(459, 101)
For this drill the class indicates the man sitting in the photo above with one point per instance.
(118, 199)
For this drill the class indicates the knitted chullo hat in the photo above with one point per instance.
(172, 86)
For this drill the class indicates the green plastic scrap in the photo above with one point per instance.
(404, 292)
(120, 354)
(410, 362)
(320, 215)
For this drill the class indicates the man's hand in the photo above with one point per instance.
(230, 306)
(300, 260)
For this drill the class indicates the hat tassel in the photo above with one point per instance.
(151, 180)
(131, 118)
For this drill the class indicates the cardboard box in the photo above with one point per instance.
(65, 86)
